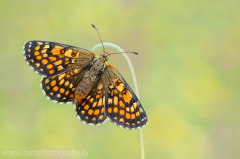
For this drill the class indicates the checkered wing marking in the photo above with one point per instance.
(61, 88)
(91, 110)
(50, 58)
(122, 105)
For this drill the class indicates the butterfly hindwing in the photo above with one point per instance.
(91, 109)
(122, 106)
(50, 58)
(61, 88)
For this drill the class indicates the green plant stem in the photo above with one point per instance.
(98, 46)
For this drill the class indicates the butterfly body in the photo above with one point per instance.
(73, 74)
(88, 79)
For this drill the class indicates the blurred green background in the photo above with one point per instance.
(187, 72)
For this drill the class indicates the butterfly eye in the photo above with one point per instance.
(106, 58)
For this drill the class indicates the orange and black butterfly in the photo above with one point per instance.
(73, 74)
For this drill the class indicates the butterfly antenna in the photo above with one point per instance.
(99, 38)
(123, 52)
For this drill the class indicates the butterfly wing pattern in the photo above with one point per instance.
(73, 74)
(60, 88)
(123, 107)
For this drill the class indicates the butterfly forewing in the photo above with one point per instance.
(50, 58)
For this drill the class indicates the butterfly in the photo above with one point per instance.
(98, 90)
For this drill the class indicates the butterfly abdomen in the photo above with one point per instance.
(84, 86)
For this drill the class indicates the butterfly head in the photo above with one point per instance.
(104, 56)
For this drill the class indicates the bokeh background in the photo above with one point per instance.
(187, 72)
